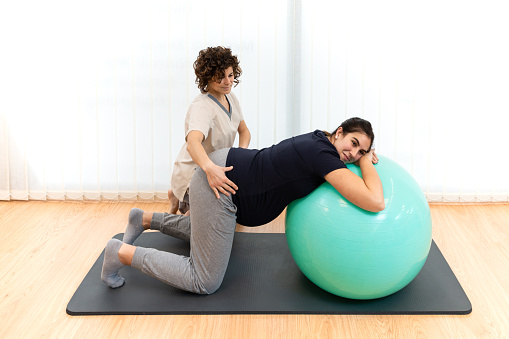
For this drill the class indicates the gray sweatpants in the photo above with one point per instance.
(210, 229)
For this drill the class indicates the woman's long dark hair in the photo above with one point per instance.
(356, 125)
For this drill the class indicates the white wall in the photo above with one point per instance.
(93, 94)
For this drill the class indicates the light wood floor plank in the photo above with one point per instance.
(48, 247)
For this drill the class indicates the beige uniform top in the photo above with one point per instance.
(217, 125)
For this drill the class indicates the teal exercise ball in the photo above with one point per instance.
(357, 254)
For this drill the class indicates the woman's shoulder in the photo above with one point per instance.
(233, 98)
(200, 98)
(232, 95)
(201, 102)
(319, 134)
(315, 136)
(314, 142)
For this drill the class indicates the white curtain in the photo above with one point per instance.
(93, 95)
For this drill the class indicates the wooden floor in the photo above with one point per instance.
(48, 247)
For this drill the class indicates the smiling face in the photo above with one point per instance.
(352, 146)
(222, 85)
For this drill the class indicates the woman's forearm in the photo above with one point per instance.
(244, 135)
(196, 150)
(244, 139)
(372, 181)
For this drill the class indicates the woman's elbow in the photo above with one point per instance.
(381, 205)
(191, 145)
(377, 206)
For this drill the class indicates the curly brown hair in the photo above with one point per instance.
(211, 64)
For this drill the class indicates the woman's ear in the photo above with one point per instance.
(338, 132)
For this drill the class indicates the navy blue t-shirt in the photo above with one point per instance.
(270, 178)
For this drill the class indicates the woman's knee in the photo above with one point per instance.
(211, 286)
(209, 280)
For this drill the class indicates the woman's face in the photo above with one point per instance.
(351, 146)
(223, 85)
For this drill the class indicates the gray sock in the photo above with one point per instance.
(134, 227)
(112, 264)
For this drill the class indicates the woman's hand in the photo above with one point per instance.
(370, 155)
(374, 158)
(218, 180)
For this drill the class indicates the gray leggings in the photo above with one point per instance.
(211, 236)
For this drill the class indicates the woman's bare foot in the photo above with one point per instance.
(174, 202)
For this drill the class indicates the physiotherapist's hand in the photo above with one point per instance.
(218, 180)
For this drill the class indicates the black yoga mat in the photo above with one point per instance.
(261, 278)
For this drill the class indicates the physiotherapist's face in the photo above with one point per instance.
(223, 85)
